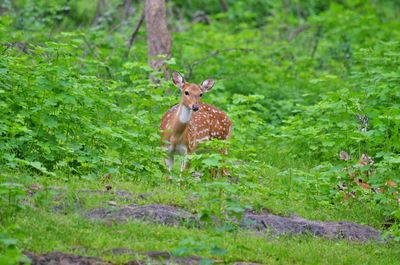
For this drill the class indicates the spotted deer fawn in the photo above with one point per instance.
(190, 122)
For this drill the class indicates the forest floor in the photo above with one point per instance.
(131, 223)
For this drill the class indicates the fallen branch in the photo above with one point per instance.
(22, 46)
(135, 31)
(316, 42)
(297, 31)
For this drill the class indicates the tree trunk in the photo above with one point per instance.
(100, 9)
(158, 37)
(224, 5)
(127, 5)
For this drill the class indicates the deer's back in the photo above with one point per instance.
(208, 122)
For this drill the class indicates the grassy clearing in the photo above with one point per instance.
(45, 232)
(269, 189)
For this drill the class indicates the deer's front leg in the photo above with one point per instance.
(170, 162)
(184, 163)
(183, 150)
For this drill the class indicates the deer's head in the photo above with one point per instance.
(191, 93)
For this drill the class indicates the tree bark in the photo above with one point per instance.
(158, 37)
(127, 5)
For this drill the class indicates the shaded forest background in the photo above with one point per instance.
(301, 80)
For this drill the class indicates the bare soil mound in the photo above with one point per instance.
(265, 221)
(60, 258)
(158, 213)
(152, 257)
(296, 225)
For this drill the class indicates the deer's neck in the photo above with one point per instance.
(182, 118)
(184, 114)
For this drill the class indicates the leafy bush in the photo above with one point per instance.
(66, 117)
(362, 117)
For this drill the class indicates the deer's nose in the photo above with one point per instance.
(195, 108)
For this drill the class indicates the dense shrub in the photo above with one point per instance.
(60, 115)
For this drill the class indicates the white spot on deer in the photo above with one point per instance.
(203, 139)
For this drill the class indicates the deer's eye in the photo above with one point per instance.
(201, 95)
(187, 93)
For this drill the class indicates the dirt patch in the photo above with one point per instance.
(157, 213)
(163, 257)
(296, 225)
(155, 257)
(65, 207)
(119, 193)
(245, 263)
(265, 221)
(151, 257)
(174, 216)
(56, 257)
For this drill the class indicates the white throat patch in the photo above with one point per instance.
(185, 114)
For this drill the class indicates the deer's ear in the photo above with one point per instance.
(178, 80)
(206, 85)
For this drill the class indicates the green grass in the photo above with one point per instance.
(44, 232)
(41, 230)
(272, 192)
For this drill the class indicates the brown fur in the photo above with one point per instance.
(190, 122)
(208, 121)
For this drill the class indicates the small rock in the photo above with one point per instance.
(343, 155)
(112, 203)
(36, 187)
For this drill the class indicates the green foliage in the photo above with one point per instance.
(221, 200)
(65, 116)
(11, 195)
(9, 254)
(298, 79)
(336, 122)
(189, 246)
